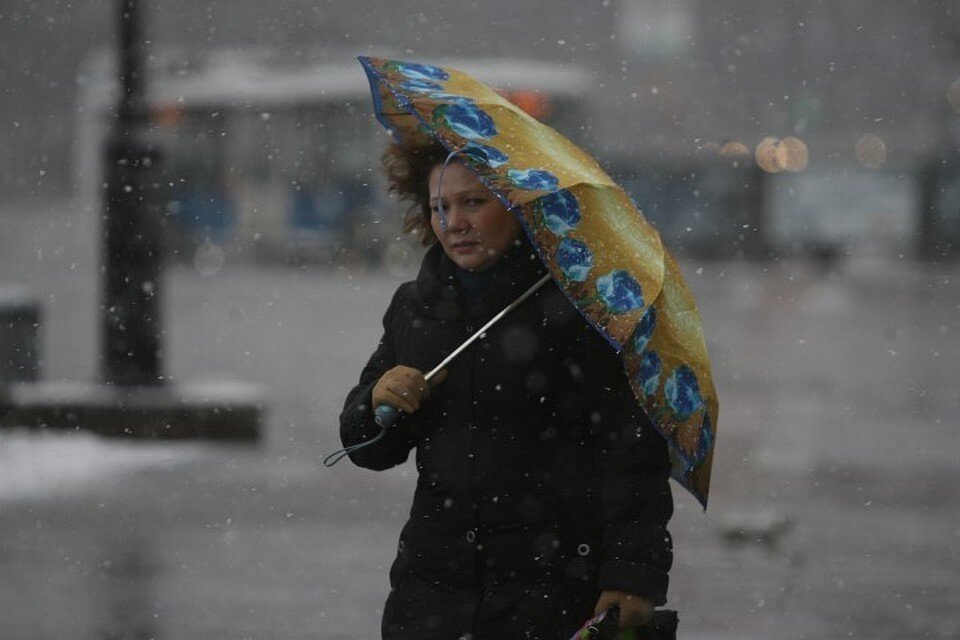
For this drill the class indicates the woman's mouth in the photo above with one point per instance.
(464, 246)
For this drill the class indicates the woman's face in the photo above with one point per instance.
(479, 228)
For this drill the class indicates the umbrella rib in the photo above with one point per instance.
(510, 307)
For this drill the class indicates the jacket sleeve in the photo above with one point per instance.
(635, 496)
(356, 421)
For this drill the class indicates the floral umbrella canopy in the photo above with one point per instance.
(597, 246)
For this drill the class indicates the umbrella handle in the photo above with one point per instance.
(385, 416)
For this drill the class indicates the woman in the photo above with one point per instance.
(542, 493)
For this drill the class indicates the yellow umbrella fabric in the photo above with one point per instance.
(598, 247)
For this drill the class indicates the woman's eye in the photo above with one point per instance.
(474, 202)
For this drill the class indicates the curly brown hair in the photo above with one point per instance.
(407, 168)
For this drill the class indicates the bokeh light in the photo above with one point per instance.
(767, 155)
(871, 151)
(795, 155)
(775, 155)
(734, 150)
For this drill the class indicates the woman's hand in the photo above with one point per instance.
(404, 388)
(634, 610)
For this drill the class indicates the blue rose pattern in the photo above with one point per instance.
(641, 337)
(705, 444)
(648, 377)
(574, 259)
(468, 121)
(420, 86)
(683, 392)
(533, 179)
(490, 156)
(620, 292)
(560, 211)
(422, 71)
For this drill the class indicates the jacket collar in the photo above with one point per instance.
(440, 295)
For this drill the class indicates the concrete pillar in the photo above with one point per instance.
(19, 335)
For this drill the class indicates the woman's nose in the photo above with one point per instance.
(456, 219)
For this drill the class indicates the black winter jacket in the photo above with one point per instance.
(540, 481)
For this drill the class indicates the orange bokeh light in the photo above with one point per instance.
(167, 115)
(789, 154)
(795, 154)
(533, 103)
(768, 155)
(734, 149)
(871, 151)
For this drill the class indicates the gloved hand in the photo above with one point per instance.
(404, 388)
(634, 610)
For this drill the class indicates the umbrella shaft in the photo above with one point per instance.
(510, 307)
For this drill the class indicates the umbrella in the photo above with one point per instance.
(595, 243)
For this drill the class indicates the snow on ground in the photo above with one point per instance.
(35, 465)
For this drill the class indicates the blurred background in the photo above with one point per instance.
(800, 158)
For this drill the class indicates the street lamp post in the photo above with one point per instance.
(135, 399)
(132, 255)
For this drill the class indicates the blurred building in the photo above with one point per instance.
(863, 83)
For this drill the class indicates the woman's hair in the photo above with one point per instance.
(407, 167)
